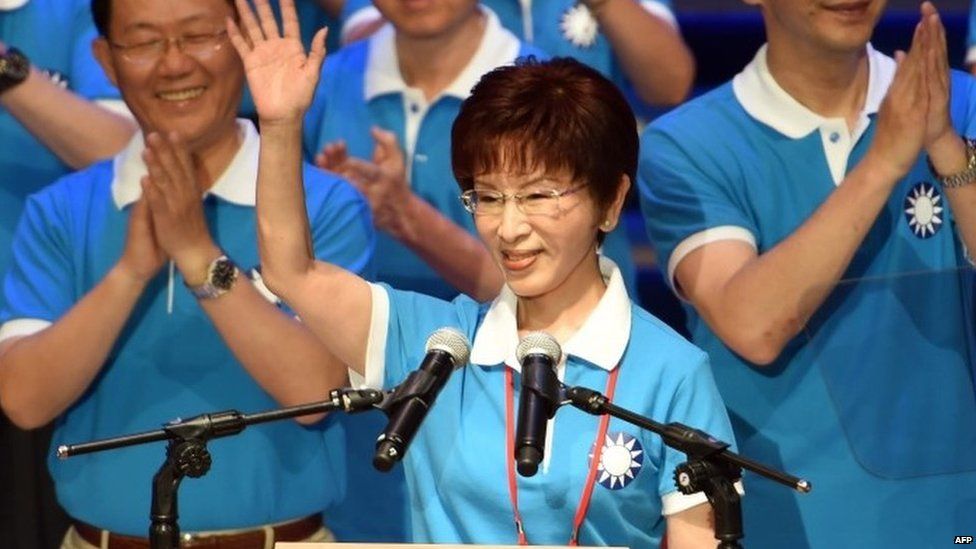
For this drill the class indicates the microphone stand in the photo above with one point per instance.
(187, 454)
(710, 468)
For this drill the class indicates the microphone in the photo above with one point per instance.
(538, 353)
(407, 406)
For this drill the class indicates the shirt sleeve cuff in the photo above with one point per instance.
(359, 17)
(658, 9)
(676, 502)
(115, 105)
(701, 238)
(971, 55)
(375, 367)
(21, 327)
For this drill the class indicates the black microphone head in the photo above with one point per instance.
(527, 461)
(539, 343)
(386, 456)
(452, 342)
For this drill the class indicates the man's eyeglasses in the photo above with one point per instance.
(536, 202)
(199, 45)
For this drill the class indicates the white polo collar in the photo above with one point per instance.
(601, 340)
(10, 5)
(763, 98)
(238, 183)
(498, 47)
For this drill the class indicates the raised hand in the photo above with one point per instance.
(281, 76)
(901, 130)
(174, 200)
(142, 256)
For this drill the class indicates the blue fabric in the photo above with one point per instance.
(456, 467)
(548, 35)
(340, 111)
(874, 402)
(165, 366)
(25, 164)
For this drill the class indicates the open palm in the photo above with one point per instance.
(282, 77)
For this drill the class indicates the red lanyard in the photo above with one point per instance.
(587, 494)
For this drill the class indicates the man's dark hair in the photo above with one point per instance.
(102, 14)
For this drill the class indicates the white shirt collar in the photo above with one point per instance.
(10, 5)
(601, 340)
(238, 183)
(498, 47)
(767, 102)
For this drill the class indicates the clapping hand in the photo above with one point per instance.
(174, 198)
(383, 181)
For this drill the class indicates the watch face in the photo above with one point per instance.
(14, 66)
(224, 274)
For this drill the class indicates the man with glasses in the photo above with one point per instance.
(131, 301)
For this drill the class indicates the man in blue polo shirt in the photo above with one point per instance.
(815, 212)
(634, 43)
(130, 301)
(382, 117)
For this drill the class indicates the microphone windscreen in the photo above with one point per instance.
(539, 343)
(452, 342)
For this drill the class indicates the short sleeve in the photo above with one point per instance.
(400, 324)
(39, 284)
(340, 223)
(662, 9)
(696, 403)
(687, 198)
(87, 77)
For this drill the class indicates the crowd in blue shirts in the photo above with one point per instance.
(813, 219)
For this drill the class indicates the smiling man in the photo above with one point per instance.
(100, 334)
(816, 213)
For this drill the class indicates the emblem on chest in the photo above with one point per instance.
(923, 209)
(579, 27)
(621, 460)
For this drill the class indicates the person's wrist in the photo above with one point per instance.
(879, 167)
(194, 263)
(129, 277)
(411, 211)
(947, 153)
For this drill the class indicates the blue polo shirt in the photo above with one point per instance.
(561, 28)
(169, 360)
(25, 164)
(456, 465)
(874, 401)
(362, 86)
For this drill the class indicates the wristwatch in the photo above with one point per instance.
(14, 69)
(966, 176)
(221, 276)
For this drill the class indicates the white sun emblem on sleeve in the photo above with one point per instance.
(923, 210)
(578, 26)
(621, 459)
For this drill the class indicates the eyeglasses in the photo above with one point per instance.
(199, 45)
(537, 202)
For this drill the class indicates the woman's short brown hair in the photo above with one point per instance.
(559, 115)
